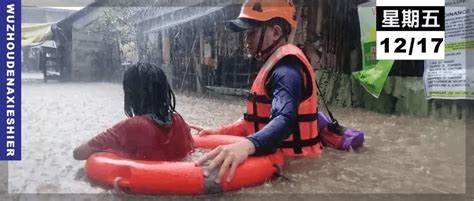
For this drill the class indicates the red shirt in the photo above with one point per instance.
(141, 138)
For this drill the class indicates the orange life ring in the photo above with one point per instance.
(164, 177)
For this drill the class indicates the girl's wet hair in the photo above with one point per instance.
(147, 92)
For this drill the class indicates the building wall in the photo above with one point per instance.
(39, 15)
(86, 56)
(198, 49)
(332, 24)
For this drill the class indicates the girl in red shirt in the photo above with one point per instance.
(154, 130)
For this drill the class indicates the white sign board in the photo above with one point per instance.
(453, 77)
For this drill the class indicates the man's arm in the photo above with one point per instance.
(285, 84)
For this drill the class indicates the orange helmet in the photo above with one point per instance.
(264, 10)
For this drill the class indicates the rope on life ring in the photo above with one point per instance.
(279, 173)
(117, 186)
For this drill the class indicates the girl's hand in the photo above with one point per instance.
(203, 132)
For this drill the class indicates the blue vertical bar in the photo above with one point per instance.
(10, 80)
(3, 67)
(18, 80)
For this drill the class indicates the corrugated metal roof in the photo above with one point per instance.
(184, 15)
(161, 8)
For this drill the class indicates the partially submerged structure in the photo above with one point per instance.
(192, 43)
(36, 28)
(189, 39)
(86, 57)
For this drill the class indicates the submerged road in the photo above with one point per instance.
(401, 154)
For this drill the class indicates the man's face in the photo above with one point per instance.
(252, 38)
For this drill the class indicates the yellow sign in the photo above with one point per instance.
(35, 34)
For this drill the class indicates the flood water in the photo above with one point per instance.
(401, 154)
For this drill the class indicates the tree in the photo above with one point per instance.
(116, 26)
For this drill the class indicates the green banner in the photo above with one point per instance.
(374, 72)
(373, 79)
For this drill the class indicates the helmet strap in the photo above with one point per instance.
(261, 52)
(260, 42)
(270, 48)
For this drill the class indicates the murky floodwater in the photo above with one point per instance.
(401, 154)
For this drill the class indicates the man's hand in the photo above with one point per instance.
(225, 156)
(201, 131)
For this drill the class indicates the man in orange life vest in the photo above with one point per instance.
(282, 104)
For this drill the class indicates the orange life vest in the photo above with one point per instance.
(304, 138)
